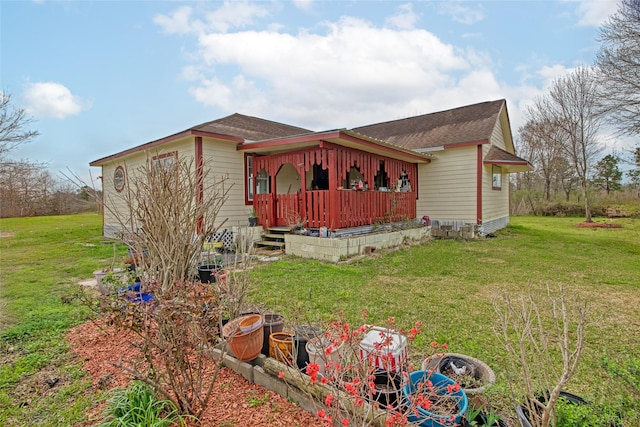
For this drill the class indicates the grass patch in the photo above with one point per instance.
(448, 285)
(42, 261)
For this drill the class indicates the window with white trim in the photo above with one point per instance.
(496, 178)
(249, 178)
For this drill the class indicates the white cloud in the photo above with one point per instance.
(347, 73)
(593, 13)
(178, 22)
(51, 99)
(351, 66)
(462, 13)
(549, 73)
(232, 14)
(303, 4)
(404, 18)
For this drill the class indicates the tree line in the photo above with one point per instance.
(27, 188)
(562, 132)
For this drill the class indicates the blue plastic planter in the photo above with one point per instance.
(428, 419)
(138, 297)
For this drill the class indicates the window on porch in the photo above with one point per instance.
(354, 176)
(263, 183)
(381, 179)
(320, 178)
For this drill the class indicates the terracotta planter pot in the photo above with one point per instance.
(281, 347)
(244, 346)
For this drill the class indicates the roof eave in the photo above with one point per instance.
(342, 137)
(511, 166)
(157, 142)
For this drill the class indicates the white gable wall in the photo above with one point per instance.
(116, 208)
(495, 203)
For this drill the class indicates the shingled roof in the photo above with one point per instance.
(457, 126)
(249, 128)
(510, 162)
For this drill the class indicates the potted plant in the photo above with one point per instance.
(473, 375)
(209, 269)
(253, 218)
(476, 417)
(109, 279)
(434, 400)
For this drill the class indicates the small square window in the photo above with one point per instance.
(496, 179)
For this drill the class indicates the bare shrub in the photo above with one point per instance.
(544, 337)
(164, 219)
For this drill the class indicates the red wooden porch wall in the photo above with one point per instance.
(335, 208)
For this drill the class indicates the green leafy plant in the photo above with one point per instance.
(255, 401)
(138, 406)
(569, 414)
(471, 415)
(492, 419)
(488, 419)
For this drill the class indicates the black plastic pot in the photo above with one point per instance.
(253, 221)
(303, 334)
(388, 386)
(207, 272)
(272, 323)
(523, 413)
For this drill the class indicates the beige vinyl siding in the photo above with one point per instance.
(497, 138)
(116, 209)
(447, 189)
(222, 159)
(495, 203)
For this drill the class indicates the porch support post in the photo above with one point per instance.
(273, 215)
(331, 220)
(302, 198)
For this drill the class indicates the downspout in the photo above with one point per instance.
(479, 186)
(199, 178)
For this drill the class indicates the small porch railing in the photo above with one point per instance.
(352, 209)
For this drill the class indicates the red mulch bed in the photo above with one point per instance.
(99, 346)
(595, 224)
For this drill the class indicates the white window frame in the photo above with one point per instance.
(496, 177)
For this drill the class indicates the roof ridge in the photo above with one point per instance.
(502, 101)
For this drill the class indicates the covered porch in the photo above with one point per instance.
(336, 181)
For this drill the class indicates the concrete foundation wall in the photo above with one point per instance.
(335, 249)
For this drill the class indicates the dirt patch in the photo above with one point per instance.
(4, 234)
(595, 224)
(235, 402)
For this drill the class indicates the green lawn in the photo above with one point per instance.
(448, 285)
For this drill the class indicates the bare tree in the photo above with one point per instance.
(570, 106)
(544, 142)
(14, 123)
(619, 66)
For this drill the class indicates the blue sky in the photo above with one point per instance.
(103, 76)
